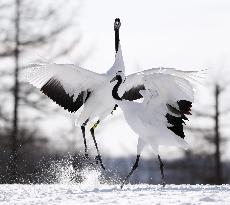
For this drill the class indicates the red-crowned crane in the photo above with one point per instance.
(158, 120)
(72, 87)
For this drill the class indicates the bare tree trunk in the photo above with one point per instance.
(218, 166)
(16, 96)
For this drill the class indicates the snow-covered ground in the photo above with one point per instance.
(112, 194)
(91, 191)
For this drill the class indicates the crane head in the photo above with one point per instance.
(119, 76)
(117, 24)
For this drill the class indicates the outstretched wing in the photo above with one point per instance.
(68, 85)
(166, 91)
(135, 82)
(175, 95)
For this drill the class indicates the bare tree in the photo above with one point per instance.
(27, 24)
(213, 135)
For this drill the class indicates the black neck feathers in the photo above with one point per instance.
(115, 88)
(117, 25)
(116, 40)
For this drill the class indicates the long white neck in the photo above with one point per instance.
(118, 63)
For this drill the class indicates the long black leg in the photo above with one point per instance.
(86, 148)
(75, 160)
(162, 170)
(98, 157)
(131, 172)
(83, 134)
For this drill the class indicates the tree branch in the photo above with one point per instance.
(197, 113)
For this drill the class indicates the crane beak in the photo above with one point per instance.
(115, 78)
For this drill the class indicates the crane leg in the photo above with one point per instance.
(83, 134)
(132, 170)
(162, 170)
(98, 157)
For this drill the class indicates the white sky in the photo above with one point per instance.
(179, 33)
(186, 34)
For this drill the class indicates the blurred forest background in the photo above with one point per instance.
(27, 151)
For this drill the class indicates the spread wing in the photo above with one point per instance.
(135, 82)
(67, 85)
(171, 96)
(166, 91)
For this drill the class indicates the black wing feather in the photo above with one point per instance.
(133, 93)
(55, 91)
(177, 122)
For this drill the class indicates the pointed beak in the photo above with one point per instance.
(113, 79)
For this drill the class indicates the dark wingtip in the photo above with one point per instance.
(54, 90)
(185, 106)
(177, 125)
(133, 93)
(178, 121)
